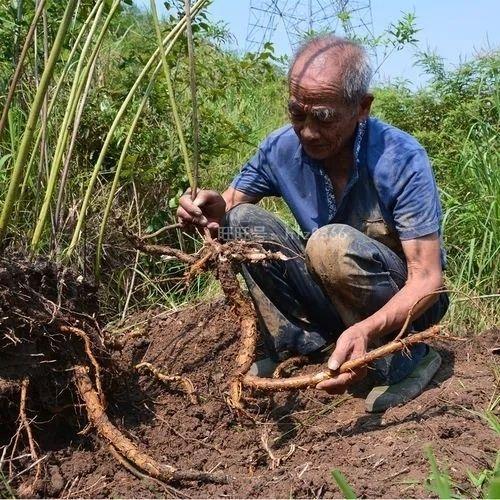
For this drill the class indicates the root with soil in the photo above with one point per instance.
(123, 445)
(188, 386)
(51, 348)
(223, 260)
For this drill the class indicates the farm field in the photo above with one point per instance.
(297, 439)
(287, 444)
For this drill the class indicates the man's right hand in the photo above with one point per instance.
(206, 210)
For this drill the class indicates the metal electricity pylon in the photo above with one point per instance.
(302, 17)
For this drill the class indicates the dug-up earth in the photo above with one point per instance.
(296, 439)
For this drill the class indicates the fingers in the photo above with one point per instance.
(203, 197)
(190, 206)
(194, 207)
(189, 211)
(339, 384)
(336, 359)
(206, 210)
(340, 354)
(350, 345)
(190, 216)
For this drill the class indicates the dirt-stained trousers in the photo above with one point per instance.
(337, 278)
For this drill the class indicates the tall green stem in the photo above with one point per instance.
(79, 82)
(69, 152)
(54, 99)
(20, 66)
(17, 34)
(116, 178)
(171, 37)
(170, 88)
(24, 148)
(194, 99)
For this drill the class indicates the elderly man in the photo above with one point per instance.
(364, 196)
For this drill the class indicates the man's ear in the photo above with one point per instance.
(365, 106)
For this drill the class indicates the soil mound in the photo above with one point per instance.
(47, 326)
(296, 439)
(38, 301)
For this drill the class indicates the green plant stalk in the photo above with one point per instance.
(76, 88)
(137, 254)
(171, 37)
(343, 485)
(54, 99)
(20, 65)
(5, 491)
(43, 151)
(24, 148)
(13, 132)
(116, 177)
(194, 100)
(17, 34)
(494, 483)
(170, 89)
(69, 152)
(79, 83)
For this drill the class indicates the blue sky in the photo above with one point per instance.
(455, 29)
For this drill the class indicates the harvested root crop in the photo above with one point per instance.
(53, 355)
(123, 445)
(188, 386)
(306, 381)
(222, 260)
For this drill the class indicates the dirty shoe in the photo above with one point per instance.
(387, 396)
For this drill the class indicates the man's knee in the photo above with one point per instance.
(329, 252)
(243, 215)
(238, 222)
(248, 221)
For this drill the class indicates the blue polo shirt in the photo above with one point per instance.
(397, 164)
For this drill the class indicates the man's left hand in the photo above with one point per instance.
(351, 344)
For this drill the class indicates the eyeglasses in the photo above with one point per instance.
(321, 114)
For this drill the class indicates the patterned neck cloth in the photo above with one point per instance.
(330, 193)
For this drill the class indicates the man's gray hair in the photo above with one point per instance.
(357, 69)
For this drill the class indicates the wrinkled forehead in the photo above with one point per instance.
(316, 77)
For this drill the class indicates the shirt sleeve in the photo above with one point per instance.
(255, 178)
(417, 208)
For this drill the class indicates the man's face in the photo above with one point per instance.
(324, 123)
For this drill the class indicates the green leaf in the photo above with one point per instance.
(343, 485)
(4, 158)
(439, 481)
(478, 480)
(493, 421)
(494, 489)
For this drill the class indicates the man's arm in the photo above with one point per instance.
(423, 256)
(208, 208)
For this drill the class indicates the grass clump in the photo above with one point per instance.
(456, 118)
